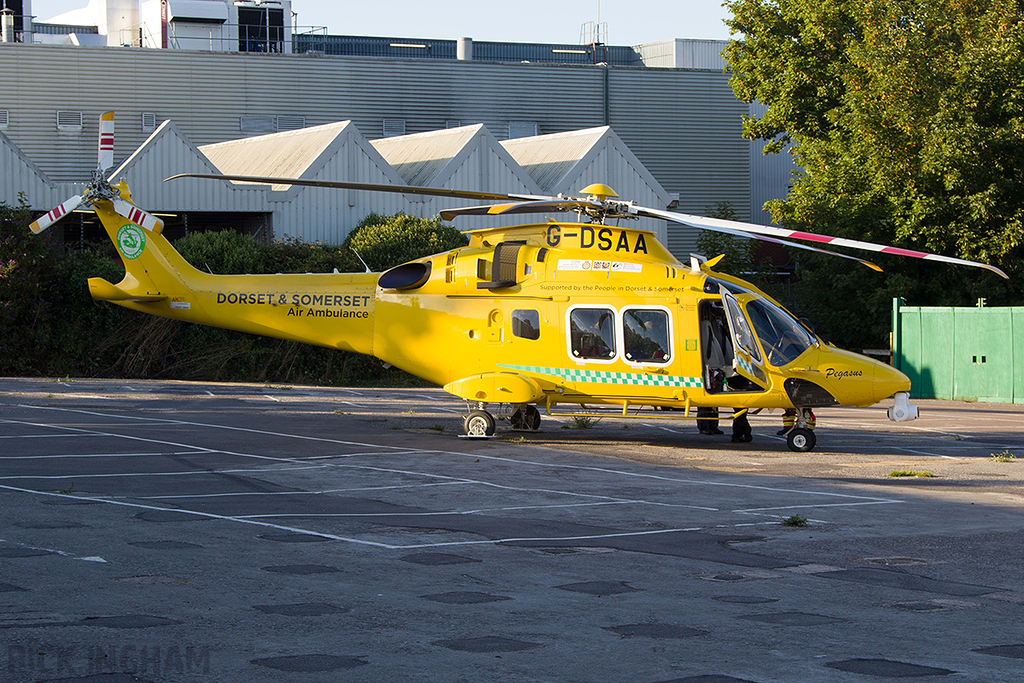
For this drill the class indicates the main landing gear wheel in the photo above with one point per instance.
(525, 418)
(479, 423)
(800, 440)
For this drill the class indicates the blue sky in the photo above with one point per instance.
(630, 22)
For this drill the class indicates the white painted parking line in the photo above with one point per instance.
(568, 496)
(43, 436)
(97, 455)
(167, 421)
(257, 494)
(920, 452)
(62, 553)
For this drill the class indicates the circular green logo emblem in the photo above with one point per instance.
(131, 240)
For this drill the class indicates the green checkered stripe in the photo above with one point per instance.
(603, 377)
(744, 365)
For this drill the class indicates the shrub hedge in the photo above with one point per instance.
(51, 326)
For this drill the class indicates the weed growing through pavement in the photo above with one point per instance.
(582, 422)
(1005, 456)
(795, 520)
(911, 473)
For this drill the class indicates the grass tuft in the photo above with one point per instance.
(795, 520)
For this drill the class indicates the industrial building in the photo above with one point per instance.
(657, 122)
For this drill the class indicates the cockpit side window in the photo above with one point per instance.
(592, 333)
(782, 338)
(740, 329)
(646, 335)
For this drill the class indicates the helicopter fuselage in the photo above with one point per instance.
(542, 314)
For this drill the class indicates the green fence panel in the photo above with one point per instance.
(960, 353)
(983, 355)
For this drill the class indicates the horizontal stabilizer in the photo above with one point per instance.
(103, 290)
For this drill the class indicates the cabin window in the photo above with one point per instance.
(592, 333)
(645, 335)
(526, 324)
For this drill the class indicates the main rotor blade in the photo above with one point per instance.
(136, 215)
(786, 243)
(751, 229)
(344, 185)
(105, 156)
(55, 214)
(544, 205)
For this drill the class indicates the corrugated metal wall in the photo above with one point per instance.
(770, 174)
(683, 125)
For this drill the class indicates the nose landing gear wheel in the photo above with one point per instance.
(479, 424)
(800, 440)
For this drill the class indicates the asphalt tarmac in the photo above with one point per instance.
(163, 531)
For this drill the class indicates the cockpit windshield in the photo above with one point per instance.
(782, 338)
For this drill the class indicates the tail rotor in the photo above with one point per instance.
(100, 189)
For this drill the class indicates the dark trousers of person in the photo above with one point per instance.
(707, 421)
(741, 428)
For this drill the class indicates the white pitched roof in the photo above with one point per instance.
(279, 155)
(420, 157)
(550, 158)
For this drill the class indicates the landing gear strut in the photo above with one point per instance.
(800, 437)
(525, 417)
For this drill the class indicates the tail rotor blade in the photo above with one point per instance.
(105, 158)
(54, 215)
(136, 215)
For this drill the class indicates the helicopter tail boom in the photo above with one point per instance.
(332, 310)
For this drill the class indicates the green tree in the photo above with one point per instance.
(907, 119)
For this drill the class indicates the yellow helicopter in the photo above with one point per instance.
(554, 314)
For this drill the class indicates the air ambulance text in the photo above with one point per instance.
(340, 300)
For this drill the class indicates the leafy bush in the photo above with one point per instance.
(25, 263)
(388, 241)
(224, 253)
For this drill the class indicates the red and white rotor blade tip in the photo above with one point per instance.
(817, 238)
(136, 215)
(54, 215)
(105, 157)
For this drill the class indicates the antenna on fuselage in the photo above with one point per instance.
(361, 260)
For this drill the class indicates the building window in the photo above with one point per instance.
(393, 127)
(256, 124)
(521, 129)
(260, 28)
(453, 123)
(69, 120)
(148, 122)
(5, 119)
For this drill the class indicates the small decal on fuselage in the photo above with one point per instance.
(131, 241)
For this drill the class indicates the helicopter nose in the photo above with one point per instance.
(889, 381)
